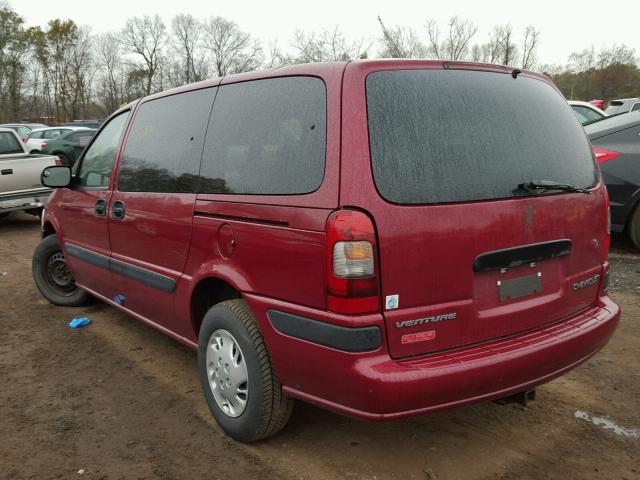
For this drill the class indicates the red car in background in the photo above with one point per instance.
(598, 103)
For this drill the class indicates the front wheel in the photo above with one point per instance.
(53, 277)
(239, 383)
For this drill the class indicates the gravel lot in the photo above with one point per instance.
(120, 400)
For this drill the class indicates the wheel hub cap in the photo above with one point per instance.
(227, 373)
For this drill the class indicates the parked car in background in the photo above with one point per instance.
(69, 145)
(20, 187)
(623, 105)
(598, 103)
(84, 123)
(21, 129)
(586, 112)
(616, 143)
(41, 136)
(375, 237)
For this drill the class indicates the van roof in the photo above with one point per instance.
(337, 68)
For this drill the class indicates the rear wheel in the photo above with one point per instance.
(634, 227)
(53, 277)
(239, 383)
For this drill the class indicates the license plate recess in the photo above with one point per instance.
(520, 287)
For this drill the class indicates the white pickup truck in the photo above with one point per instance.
(20, 187)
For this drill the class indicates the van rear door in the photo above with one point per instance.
(468, 251)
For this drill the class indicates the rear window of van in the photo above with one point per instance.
(441, 136)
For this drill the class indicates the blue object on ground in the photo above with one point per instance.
(119, 299)
(78, 322)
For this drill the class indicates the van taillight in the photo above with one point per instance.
(352, 272)
(603, 156)
(58, 162)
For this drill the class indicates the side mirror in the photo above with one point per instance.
(56, 177)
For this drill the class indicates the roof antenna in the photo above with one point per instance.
(515, 73)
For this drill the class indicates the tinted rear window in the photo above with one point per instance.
(440, 136)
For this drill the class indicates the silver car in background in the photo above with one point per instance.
(623, 105)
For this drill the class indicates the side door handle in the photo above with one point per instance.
(118, 210)
(101, 207)
(7, 171)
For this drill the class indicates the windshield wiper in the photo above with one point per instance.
(546, 185)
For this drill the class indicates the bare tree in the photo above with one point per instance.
(187, 39)
(583, 61)
(616, 55)
(79, 79)
(275, 57)
(145, 36)
(231, 49)
(400, 42)
(433, 33)
(456, 45)
(529, 47)
(112, 75)
(327, 46)
(509, 49)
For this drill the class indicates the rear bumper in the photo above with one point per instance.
(14, 204)
(373, 386)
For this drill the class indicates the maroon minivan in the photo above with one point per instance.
(380, 238)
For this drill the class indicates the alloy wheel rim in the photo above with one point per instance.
(227, 373)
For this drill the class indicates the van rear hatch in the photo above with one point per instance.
(467, 251)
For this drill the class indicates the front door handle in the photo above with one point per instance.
(101, 207)
(7, 171)
(118, 210)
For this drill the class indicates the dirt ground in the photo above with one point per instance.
(118, 400)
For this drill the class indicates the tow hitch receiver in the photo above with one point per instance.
(523, 398)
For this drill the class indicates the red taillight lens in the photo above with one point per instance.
(25, 139)
(58, 162)
(352, 278)
(603, 156)
(44, 145)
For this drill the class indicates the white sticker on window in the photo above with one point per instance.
(392, 302)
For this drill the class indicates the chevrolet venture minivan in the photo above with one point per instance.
(381, 238)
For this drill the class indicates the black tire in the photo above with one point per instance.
(52, 277)
(634, 227)
(267, 408)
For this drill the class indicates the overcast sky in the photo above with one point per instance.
(566, 26)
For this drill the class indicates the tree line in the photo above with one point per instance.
(65, 72)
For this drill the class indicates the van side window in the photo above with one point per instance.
(164, 146)
(95, 169)
(266, 137)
